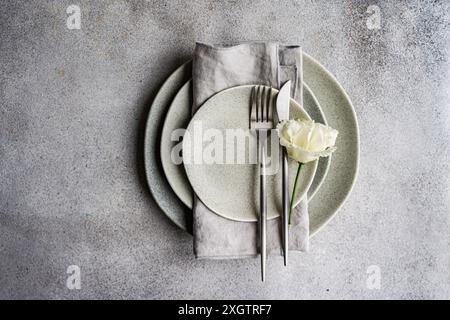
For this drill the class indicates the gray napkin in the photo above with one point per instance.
(218, 68)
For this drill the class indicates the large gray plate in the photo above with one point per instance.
(339, 113)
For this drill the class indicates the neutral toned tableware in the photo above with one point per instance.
(282, 107)
(179, 115)
(231, 190)
(261, 122)
(162, 193)
(339, 181)
(343, 170)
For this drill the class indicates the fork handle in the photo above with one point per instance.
(263, 204)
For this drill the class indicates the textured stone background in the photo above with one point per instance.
(73, 109)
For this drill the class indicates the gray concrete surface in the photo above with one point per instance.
(73, 109)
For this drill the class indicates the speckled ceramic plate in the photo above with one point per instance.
(164, 197)
(231, 189)
(179, 115)
(341, 176)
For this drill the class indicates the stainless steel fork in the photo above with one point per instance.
(261, 120)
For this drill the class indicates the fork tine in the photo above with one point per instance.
(266, 104)
(253, 115)
(269, 106)
(257, 103)
(261, 103)
(261, 108)
(257, 99)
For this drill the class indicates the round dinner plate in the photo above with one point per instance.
(179, 116)
(338, 110)
(219, 154)
(164, 197)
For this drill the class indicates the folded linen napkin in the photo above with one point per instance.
(218, 68)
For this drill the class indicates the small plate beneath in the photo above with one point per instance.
(219, 154)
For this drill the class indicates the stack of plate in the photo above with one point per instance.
(325, 101)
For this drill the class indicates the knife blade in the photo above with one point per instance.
(284, 95)
(283, 100)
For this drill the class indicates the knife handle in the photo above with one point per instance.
(263, 203)
(285, 198)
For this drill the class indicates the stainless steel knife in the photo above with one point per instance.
(283, 100)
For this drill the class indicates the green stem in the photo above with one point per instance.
(293, 192)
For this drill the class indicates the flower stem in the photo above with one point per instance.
(293, 192)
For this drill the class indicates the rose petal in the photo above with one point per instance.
(306, 140)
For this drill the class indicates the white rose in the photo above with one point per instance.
(306, 140)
